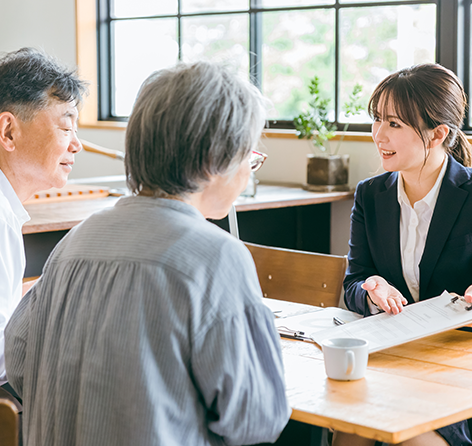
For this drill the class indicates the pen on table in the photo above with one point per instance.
(338, 321)
(292, 336)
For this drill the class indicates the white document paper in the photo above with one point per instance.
(284, 309)
(310, 322)
(416, 321)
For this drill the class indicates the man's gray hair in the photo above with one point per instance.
(190, 122)
(29, 79)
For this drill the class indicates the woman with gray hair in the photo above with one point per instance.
(147, 326)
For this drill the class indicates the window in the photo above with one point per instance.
(279, 44)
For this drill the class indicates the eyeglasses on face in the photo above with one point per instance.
(256, 160)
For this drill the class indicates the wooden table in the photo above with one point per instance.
(278, 196)
(276, 216)
(65, 215)
(49, 217)
(408, 389)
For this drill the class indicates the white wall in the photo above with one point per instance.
(287, 163)
(47, 24)
(50, 25)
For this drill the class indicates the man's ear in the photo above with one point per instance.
(439, 135)
(8, 128)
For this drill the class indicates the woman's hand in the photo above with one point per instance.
(386, 296)
(468, 294)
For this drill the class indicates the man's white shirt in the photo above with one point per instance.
(12, 258)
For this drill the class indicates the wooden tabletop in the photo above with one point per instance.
(47, 217)
(408, 389)
(273, 196)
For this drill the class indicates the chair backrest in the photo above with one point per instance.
(8, 423)
(299, 276)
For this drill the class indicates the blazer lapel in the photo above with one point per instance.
(451, 198)
(388, 224)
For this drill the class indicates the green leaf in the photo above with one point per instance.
(314, 123)
(353, 107)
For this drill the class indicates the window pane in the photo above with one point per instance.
(142, 8)
(189, 6)
(141, 47)
(296, 46)
(293, 3)
(376, 41)
(223, 39)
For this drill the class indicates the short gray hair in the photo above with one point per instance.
(29, 79)
(190, 122)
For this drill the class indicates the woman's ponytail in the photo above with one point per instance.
(461, 149)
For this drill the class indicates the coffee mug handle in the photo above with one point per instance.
(351, 362)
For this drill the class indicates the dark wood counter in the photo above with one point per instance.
(65, 215)
(61, 216)
(275, 197)
(287, 217)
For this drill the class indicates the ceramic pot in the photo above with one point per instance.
(327, 173)
(251, 187)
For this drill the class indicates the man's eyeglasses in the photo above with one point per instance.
(256, 160)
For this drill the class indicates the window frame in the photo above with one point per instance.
(452, 51)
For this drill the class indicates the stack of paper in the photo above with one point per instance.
(284, 309)
(416, 321)
(310, 323)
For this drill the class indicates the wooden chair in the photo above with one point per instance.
(8, 423)
(299, 276)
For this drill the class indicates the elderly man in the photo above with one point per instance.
(38, 124)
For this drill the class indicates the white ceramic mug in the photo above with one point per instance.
(345, 358)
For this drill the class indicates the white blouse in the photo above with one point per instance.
(414, 226)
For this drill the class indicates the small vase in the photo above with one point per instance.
(251, 187)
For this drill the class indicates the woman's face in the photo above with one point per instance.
(222, 190)
(400, 147)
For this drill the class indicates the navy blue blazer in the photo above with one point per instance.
(446, 263)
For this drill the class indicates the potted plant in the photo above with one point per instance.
(326, 170)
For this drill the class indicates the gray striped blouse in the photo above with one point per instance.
(147, 328)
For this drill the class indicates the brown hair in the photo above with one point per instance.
(431, 94)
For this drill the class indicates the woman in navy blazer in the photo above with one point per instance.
(446, 263)
(411, 227)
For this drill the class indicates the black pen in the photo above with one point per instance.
(292, 336)
(338, 321)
